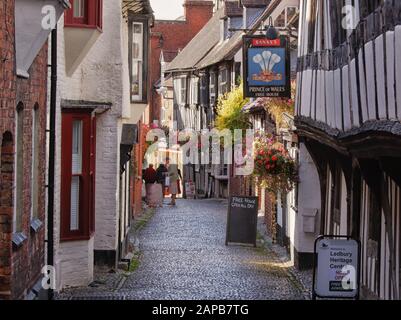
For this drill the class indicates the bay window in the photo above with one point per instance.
(138, 52)
(85, 14)
(77, 175)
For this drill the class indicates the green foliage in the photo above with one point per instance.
(134, 263)
(229, 111)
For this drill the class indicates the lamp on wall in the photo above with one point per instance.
(271, 31)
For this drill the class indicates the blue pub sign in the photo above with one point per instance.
(266, 67)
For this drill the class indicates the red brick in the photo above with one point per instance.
(27, 261)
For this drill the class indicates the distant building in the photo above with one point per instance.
(209, 66)
(168, 38)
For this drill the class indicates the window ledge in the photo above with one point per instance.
(18, 239)
(36, 225)
(83, 26)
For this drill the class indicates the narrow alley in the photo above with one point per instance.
(183, 256)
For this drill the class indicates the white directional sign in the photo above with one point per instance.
(337, 268)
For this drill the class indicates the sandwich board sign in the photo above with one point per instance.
(267, 70)
(190, 191)
(336, 268)
(242, 220)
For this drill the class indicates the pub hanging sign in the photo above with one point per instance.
(266, 67)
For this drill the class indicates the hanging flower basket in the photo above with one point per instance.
(274, 168)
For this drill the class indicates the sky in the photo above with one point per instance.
(167, 9)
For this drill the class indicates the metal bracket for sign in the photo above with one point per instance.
(314, 294)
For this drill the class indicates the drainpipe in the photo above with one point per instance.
(52, 144)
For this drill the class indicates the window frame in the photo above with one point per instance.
(180, 90)
(144, 21)
(93, 18)
(86, 219)
(204, 90)
(223, 86)
(213, 93)
(194, 91)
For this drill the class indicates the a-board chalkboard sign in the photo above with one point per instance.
(242, 220)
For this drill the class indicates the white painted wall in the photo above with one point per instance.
(77, 263)
(102, 77)
(309, 201)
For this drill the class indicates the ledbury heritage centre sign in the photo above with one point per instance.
(336, 269)
(267, 70)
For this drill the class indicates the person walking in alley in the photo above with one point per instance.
(174, 175)
(150, 175)
(161, 174)
(153, 192)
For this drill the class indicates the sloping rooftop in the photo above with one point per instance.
(206, 49)
(199, 46)
(137, 6)
(255, 3)
(170, 55)
(228, 48)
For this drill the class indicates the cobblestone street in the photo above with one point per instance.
(183, 256)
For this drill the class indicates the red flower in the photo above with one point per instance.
(274, 158)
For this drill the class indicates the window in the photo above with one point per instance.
(137, 61)
(35, 185)
(212, 88)
(338, 33)
(77, 176)
(138, 49)
(223, 168)
(180, 90)
(223, 81)
(79, 8)
(85, 13)
(194, 100)
(19, 170)
(285, 17)
(368, 6)
(204, 97)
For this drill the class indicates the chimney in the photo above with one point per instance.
(250, 8)
(233, 13)
(198, 12)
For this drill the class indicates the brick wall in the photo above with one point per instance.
(20, 268)
(175, 36)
